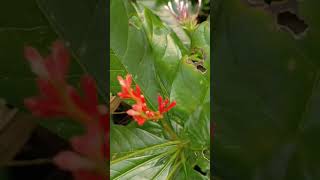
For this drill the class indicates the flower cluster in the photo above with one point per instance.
(88, 159)
(184, 13)
(140, 111)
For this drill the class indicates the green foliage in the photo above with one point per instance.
(266, 94)
(145, 46)
(38, 24)
(26, 26)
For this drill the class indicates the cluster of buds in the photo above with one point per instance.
(183, 11)
(88, 159)
(140, 111)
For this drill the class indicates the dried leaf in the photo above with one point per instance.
(15, 129)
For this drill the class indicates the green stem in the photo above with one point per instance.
(168, 128)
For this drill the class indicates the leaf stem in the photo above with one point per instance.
(168, 128)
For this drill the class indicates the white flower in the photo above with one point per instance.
(183, 10)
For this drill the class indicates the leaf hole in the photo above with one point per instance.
(292, 22)
(194, 61)
(201, 68)
(196, 58)
(197, 168)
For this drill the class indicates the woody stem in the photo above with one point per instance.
(168, 128)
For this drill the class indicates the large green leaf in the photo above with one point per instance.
(197, 127)
(138, 154)
(116, 69)
(130, 48)
(85, 30)
(189, 173)
(266, 94)
(168, 18)
(189, 81)
(20, 26)
(125, 140)
(142, 167)
(165, 49)
(178, 77)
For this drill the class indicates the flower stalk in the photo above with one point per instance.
(168, 129)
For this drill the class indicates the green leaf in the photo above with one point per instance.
(125, 140)
(137, 154)
(21, 26)
(165, 49)
(116, 69)
(169, 19)
(131, 49)
(143, 167)
(178, 78)
(28, 27)
(153, 127)
(189, 81)
(189, 174)
(85, 30)
(266, 94)
(201, 39)
(197, 127)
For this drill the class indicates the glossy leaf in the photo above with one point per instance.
(137, 154)
(189, 81)
(266, 94)
(189, 174)
(131, 49)
(27, 27)
(178, 77)
(166, 48)
(125, 140)
(197, 127)
(85, 30)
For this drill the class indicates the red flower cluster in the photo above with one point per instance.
(58, 98)
(140, 112)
